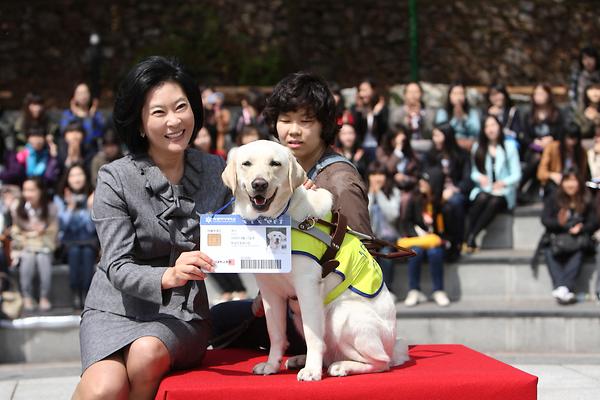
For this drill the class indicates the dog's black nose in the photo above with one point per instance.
(260, 185)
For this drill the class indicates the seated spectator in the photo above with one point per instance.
(562, 154)
(34, 232)
(33, 116)
(347, 144)
(253, 103)
(464, 119)
(501, 106)
(71, 149)
(453, 165)
(542, 125)
(218, 121)
(423, 217)
(37, 159)
(415, 116)
(584, 72)
(588, 118)
(400, 161)
(77, 232)
(568, 212)
(204, 142)
(384, 210)
(84, 109)
(495, 173)
(370, 115)
(343, 115)
(111, 150)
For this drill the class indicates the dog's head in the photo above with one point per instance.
(276, 238)
(262, 176)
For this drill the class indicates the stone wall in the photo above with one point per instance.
(44, 45)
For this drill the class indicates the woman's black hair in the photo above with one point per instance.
(572, 131)
(590, 52)
(28, 121)
(451, 147)
(500, 88)
(483, 142)
(376, 167)
(586, 100)
(303, 90)
(388, 141)
(375, 86)
(449, 107)
(44, 199)
(64, 181)
(131, 96)
(554, 113)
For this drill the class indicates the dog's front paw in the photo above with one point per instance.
(296, 362)
(308, 374)
(265, 368)
(337, 369)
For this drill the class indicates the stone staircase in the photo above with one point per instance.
(498, 306)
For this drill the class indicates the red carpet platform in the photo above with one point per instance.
(434, 372)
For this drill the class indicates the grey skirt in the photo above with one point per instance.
(102, 334)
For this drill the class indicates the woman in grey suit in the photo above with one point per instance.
(146, 311)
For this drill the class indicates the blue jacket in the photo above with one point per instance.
(507, 169)
(465, 128)
(75, 225)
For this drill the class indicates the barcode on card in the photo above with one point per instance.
(260, 264)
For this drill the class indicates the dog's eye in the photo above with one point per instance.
(247, 164)
(275, 164)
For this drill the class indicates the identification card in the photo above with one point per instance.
(238, 245)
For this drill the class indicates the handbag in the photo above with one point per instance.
(565, 243)
(10, 299)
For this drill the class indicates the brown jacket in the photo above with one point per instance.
(551, 162)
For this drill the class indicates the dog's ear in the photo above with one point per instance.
(229, 174)
(296, 174)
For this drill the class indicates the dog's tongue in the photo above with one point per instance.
(260, 201)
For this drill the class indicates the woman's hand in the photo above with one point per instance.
(556, 177)
(190, 266)
(483, 180)
(498, 185)
(309, 185)
(575, 230)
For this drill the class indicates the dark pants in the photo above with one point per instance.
(483, 210)
(231, 314)
(436, 266)
(453, 212)
(229, 282)
(81, 260)
(564, 269)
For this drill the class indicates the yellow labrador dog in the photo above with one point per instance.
(350, 335)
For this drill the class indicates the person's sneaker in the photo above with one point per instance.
(560, 292)
(28, 304)
(441, 298)
(414, 297)
(45, 304)
(564, 296)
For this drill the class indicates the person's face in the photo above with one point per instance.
(203, 140)
(76, 179)
(438, 139)
(250, 137)
(74, 138)
(399, 139)
(82, 94)
(570, 185)
(37, 142)
(570, 142)
(365, 92)
(412, 94)
(167, 119)
(589, 63)
(457, 95)
(35, 109)
(300, 131)
(31, 193)
(593, 94)
(497, 98)
(347, 136)
(424, 186)
(492, 129)
(205, 94)
(540, 96)
(376, 180)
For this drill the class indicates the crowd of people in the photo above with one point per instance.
(435, 178)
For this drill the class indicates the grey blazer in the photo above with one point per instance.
(144, 223)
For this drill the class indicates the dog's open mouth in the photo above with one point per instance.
(260, 202)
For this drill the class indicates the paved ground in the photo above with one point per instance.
(570, 379)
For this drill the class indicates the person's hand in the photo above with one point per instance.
(258, 308)
(483, 180)
(546, 140)
(358, 155)
(77, 110)
(494, 110)
(69, 199)
(449, 192)
(427, 219)
(575, 230)
(309, 185)
(498, 185)
(190, 266)
(556, 177)
(90, 201)
(399, 177)
(563, 216)
(379, 106)
(376, 182)
(591, 113)
(93, 108)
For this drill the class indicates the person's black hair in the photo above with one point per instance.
(390, 136)
(582, 196)
(572, 131)
(64, 181)
(586, 100)
(303, 90)
(44, 199)
(483, 143)
(110, 137)
(131, 96)
(376, 167)
(590, 52)
(336, 90)
(420, 88)
(500, 88)
(554, 112)
(449, 107)
(36, 131)
(247, 130)
(74, 126)
(376, 90)
(28, 121)
(451, 147)
(355, 146)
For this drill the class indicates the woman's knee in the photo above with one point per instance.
(148, 359)
(104, 380)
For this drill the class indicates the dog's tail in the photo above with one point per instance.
(400, 355)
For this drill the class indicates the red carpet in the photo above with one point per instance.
(434, 372)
